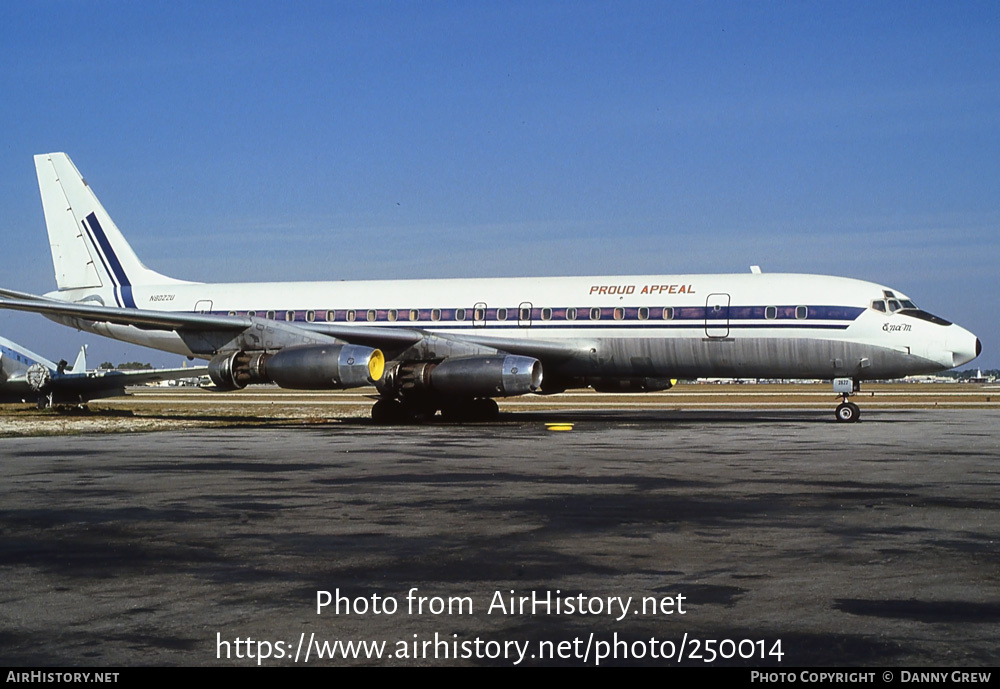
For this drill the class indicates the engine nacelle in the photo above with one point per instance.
(232, 371)
(307, 367)
(474, 376)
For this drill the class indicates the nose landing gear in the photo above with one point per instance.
(847, 412)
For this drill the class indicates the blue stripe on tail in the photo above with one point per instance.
(113, 265)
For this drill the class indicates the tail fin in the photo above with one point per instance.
(80, 366)
(88, 250)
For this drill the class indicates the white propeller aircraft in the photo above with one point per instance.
(455, 345)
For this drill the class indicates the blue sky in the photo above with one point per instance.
(328, 140)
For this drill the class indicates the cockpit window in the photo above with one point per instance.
(892, 305)
(924, 316)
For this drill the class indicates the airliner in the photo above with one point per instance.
(455, 345)
(29, 377)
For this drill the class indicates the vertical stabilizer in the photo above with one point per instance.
(80, 366)
(71, 256)
(88, 250)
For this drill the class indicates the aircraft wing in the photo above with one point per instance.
(115, 379)
(393, 338)
(141, 318)
(14, 294)
(390, 338)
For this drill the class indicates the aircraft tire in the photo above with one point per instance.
(470, 410)
(848, 412)
(388, 412)
(857, 410)
(485, 409)
(455, 412)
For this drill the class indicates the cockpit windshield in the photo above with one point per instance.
(924, 316)
(891, 304)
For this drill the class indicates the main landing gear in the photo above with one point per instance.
(847, 412)
(394, 411)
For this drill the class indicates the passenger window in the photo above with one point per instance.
(619, 313)
(331, 316)
(252, 314)
(310, 316)
(668, 313)
(643, 313)
(571, 314)
(392, 315)
(595, 314)
(372, 315)
(546, 314)
(351, 315)
(289, 315)
(459, 314)
(524, 314)
(479, 314)
(801, 312)
(770, 312)
(435, 314)
(270, 315)
(501, 314)
(414, 315)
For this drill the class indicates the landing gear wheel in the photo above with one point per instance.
(387, 412)
(848, 412)
(466, 410)
(456, 412)
(485, 409)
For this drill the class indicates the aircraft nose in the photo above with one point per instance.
(964, 346)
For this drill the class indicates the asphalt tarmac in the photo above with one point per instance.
(776, 538)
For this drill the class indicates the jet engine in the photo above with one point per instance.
(307, 367)
(474, 376)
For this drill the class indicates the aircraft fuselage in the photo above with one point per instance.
(711, 325)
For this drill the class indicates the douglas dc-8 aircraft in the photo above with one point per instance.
(454, 345)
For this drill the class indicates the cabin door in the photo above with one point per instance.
(717, 315)
(524, 314)
(479, 315)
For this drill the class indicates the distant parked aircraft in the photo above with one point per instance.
(28, 377)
